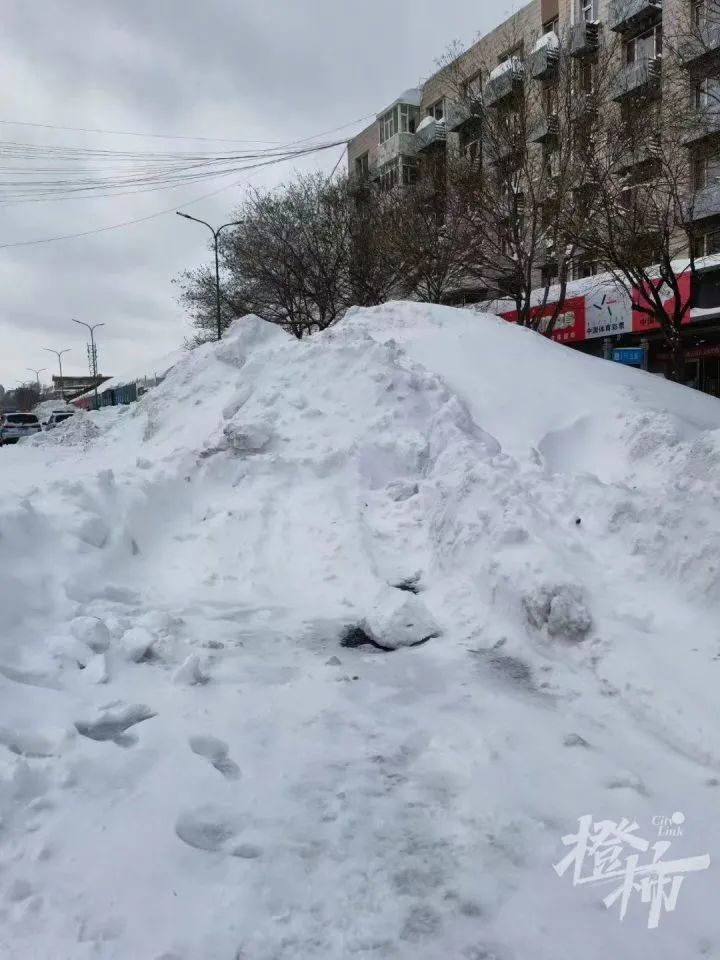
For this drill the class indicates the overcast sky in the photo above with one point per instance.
(241, 69)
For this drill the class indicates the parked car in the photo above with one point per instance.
(56, 417)
(13, 426)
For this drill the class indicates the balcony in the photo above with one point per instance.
(633, 16)
(462, 113)
(430, 135)
(642, 79)
(702, 124)
(401, 145)
(546, 131)
(705, 203)
(584, 39)
(544, 62)
(701, 46)
(503, 87)
(647, 151)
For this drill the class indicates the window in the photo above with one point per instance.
(436, 110)
(646, 46)
(706, 170)
(706, 93)
(407, 118)
(550, 275)
(552, 26)
(472, 88)
(706, 245)
(588, 10)
(408, 173)
(586, 77)
(582, 268)
(388, 125)
(362, 167)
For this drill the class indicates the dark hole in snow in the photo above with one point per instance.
(410, 585)
(578, 521)
(355, 636)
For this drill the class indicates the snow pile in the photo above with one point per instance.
(321, 648)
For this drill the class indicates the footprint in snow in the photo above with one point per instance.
(214, 831)
(216, 751)
(113, 724)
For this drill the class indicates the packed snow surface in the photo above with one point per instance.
(321, 649)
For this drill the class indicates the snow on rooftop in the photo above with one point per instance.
(197, 762)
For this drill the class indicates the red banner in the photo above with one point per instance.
(570, 326)
(642, 321)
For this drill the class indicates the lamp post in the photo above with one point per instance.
(58, 354)
(93, 353)
(37, 376)
(216, 238)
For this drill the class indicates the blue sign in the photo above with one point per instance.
(632, 356)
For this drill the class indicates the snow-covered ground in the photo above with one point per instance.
(194, 767)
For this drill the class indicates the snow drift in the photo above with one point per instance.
(193, 765)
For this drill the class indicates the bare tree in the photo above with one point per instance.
(642, 230)
(526, 142)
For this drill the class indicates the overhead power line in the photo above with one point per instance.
(170, 136)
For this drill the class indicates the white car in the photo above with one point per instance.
(14, 426)
(58, 416)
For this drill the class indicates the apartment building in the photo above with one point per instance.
(421, 121)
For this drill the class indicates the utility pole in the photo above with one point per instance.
(216, 238)
(58, 354)
(37, 376)
(92, 354)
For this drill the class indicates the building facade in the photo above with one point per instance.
(425, 121)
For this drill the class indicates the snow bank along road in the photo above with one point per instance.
(210, 750)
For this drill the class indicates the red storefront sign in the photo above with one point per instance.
(642, 321)
(697, 353)
(570, 326)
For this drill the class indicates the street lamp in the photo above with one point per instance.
(37, 376)
(58, 354)
(93, 353)
(216, 238)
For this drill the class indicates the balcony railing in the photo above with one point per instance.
(705, 203)
(431, 135)
(401, 145)
(546, 131)
(544, 62)
(703, 44)
(461, 113)
(640, 79)
(584, 38)
(702, 124)
(630, 16)
(504, 87)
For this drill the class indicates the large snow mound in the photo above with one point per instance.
(195, 765)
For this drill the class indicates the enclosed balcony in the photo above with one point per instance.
(504, 83)
(399, 145)
(705, 203)
(431, 133)
(633, 16)
(545, 58)
(546, 131)
(644, 152)
(462, 113)
(705, 44)
(642, 80)
(702, 125)
(585, 38)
